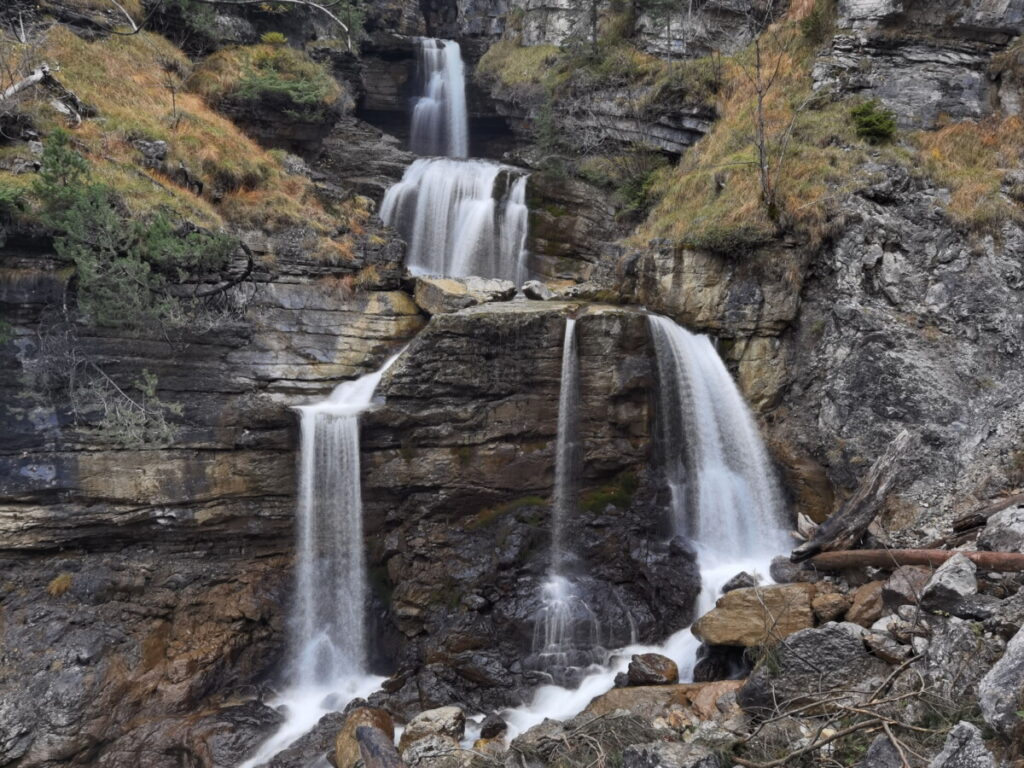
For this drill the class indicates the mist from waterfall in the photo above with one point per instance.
(724, 499)
(327, 665)
(440, 122)
(460, 218)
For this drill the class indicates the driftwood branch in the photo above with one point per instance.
(376, 749)
(844, 529)
(121, 8)
(39, 74)
(891, 558)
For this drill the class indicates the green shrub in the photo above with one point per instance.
(873, 122)
(273, 38)
(818, 25)
(618, 493)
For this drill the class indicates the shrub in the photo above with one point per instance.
(817, 26)
(273, 38)
(873, 122)
(60, 584)
(278, 75)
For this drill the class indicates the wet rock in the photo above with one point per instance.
(905, 585)
(867, 606)
(438, 295)
(443, 721)
(313, 746)
(784, 571)
(999, 692)
(492, 747)
(964, 748)
(830, 606)
(830, 658)
(652, 669)
(740, 581)
(235, 732)
(757, 615)
(346, 748)
(534, 289)
(1004, 531)
(661, 754)
(493, 727)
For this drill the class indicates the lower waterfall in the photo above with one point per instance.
(461, 218)
(327, 652)
(724, 499)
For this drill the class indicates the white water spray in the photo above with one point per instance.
(460, 218)
(440, 123)
(327, 668)
(724, 498)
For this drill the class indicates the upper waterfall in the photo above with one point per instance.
(440, 123)
(460, 218)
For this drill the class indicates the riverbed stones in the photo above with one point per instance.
(442, 721)
(830, 606)
(867, 606)
(652, 669)
(653, 701)
(757, 615)
(346, 748)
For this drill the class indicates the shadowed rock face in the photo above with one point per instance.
(458, 470)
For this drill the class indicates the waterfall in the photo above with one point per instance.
(724, 499)
(567, 454)
(327, 665)
(440, 123)
(460, 218)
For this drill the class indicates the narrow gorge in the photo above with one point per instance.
(504, 385)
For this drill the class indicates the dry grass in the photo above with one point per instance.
(713, 199)
(59, 584)
(136, 85)
(971, 159)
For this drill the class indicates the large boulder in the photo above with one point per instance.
(652, 669)
(704, 700)
(1004, 531)
(443, 721)
(1000, 690)
(867, 607)
(964, 748)
(439, 295)
(814, 664)
(905, 585)
(346, 748)
(757, 615)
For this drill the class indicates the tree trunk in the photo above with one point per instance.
(844, 529)
(891, 558)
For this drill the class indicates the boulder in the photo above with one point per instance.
(881, 754)
(441, 295)
(887, 648)
(964, 748)
(1007, 616)
(720, 662)
(661, 754)
(813, 664)
(443, 721)
(867, 606)
(651, 702)
(757, 615)
(950, 586)
(535, 289)
(830, 606)
(784, 571)
(435, 751)
(346, 749)
(652, 669)
(999, 692)
(905, 585)
(1004, 531)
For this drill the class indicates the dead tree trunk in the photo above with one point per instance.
(844, 529)
(376, 749)
(891, 558)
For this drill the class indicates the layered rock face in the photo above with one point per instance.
(458, 471)
(143, 588)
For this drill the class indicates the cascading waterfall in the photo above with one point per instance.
(460, 218)
(566, 631)
(440, 123)
(327, 666)
(724, 498)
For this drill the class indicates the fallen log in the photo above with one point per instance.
(843, 529)
(376, 749)
(891, 558)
